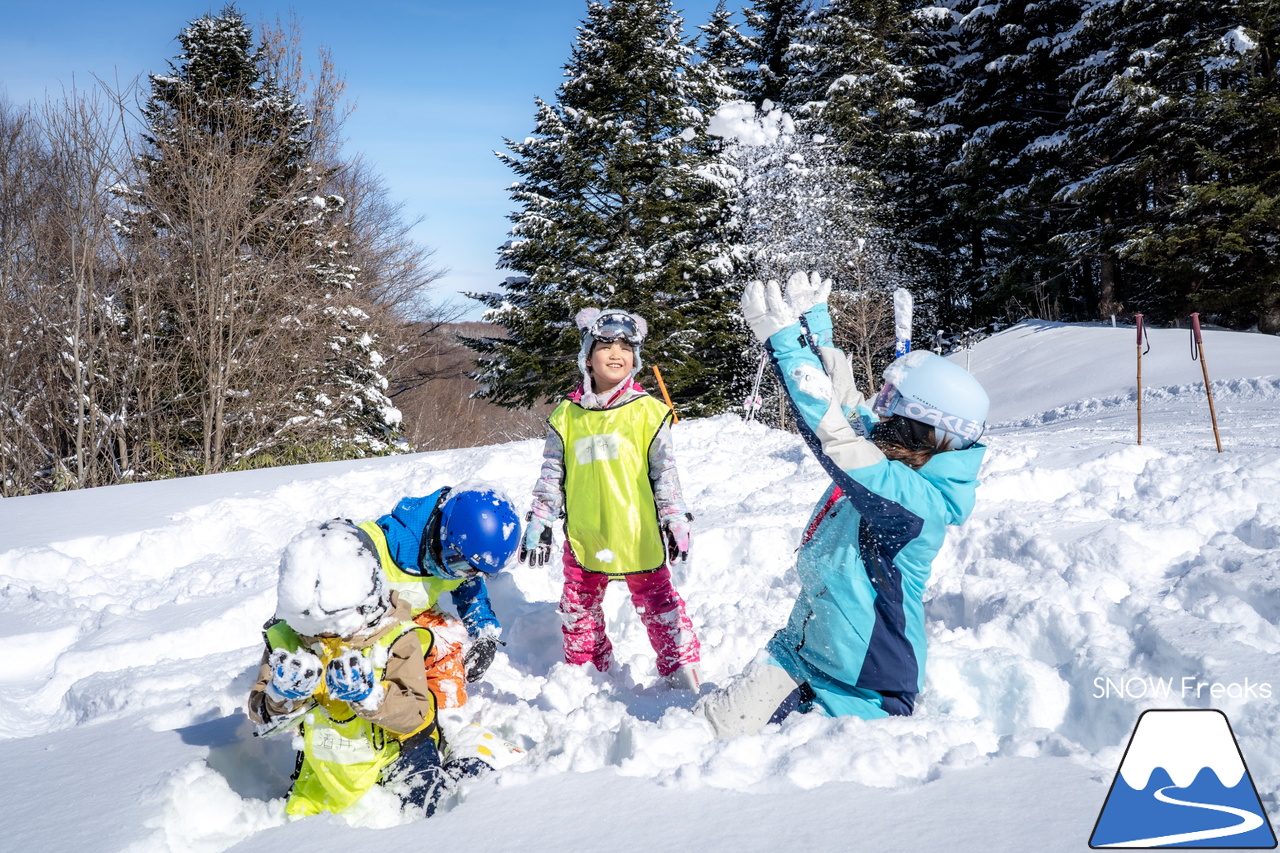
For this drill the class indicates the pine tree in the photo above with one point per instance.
(914, 174)
(723, 55)
(769, 48)
(1173, 133)
(616, 211)
(1010, 110)
(853, 76)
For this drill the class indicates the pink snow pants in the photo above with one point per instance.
(660, 607)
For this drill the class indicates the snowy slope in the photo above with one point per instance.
(1094, 575)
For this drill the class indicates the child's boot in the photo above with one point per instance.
(686, 677)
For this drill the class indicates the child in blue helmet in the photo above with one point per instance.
(855, 642)
(608, 467)
(449, 541)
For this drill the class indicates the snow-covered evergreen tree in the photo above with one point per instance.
(616, 210)
(721, 42)
(852, 79)
(1006, 118)
(1172, 136)
(723, 55)
(860, 133)
(771, 25)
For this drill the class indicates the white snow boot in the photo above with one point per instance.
(687, 677)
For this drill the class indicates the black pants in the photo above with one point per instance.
(423, 779)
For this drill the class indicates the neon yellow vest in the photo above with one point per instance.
(343, 755)
(611, 519)
(421, 593)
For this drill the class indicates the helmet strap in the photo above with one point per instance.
(431, 547)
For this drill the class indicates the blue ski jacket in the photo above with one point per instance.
(404, 528)
(856, 634)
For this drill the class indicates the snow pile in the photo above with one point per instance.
(1097, 578)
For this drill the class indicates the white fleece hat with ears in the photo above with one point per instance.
(609, 324)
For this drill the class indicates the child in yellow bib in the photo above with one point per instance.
(344, 664)
(609, 469)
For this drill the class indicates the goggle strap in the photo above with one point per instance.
(891, 402)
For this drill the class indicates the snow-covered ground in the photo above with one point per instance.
(1096, 579)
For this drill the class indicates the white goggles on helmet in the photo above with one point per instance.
(890, 402)
(615, 326)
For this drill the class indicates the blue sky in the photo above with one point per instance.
(437, 85)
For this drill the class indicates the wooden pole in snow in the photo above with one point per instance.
(1138, 319)
(1197, 351)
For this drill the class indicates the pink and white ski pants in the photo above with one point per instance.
(660, 607)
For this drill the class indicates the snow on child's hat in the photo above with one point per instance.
(331, 582)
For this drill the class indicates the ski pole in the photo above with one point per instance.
(754, 402)
(284, 723)
(1138, 319)
(1197, 352)
(675, 419)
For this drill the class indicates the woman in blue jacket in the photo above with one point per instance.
(855, 642)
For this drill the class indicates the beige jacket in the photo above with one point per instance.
(408, 703)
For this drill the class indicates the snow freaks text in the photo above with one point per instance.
(1187, 687)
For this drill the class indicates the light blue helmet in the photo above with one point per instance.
(479, 531)
(927, 388)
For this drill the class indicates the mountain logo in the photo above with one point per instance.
(1183, 783)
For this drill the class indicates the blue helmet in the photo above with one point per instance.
(927, 388)
(479, 531)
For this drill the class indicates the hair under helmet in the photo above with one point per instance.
(331, 582)
(608, 325)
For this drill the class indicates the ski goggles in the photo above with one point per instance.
(456, 565)
(616, 326)
(890, 402)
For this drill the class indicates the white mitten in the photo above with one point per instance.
(805, 291)
(765, 310)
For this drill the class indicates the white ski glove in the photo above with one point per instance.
(806, 291)
(293, 675)
(764, 309)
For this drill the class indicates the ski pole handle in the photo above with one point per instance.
(1137, 319)
(1195, 329)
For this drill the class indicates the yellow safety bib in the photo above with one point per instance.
(611, 520)
(421, 592)
(343, 754)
